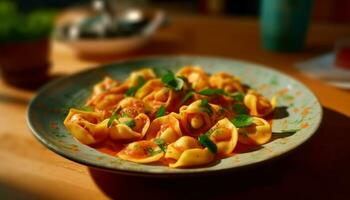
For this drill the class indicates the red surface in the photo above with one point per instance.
(343, 57)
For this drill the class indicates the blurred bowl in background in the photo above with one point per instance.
(134, 29)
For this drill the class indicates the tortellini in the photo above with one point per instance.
(257, 134)
(226, 82)
(132, 106)
(196, 76)
(146, 74)
(224, 134)
(106, 84)
(127, 128)
(87, 127)
(184, 119)
(155, 94)
(187, 152)
(166, 128)
(106, 94)
(106, 101)
(259, 105)
(143, 151)
(197, 118)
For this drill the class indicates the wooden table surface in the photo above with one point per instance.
(320, 168)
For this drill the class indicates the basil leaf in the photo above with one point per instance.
(87, 108)
(161, 143)
(188, 95)
(240, 108)
(152, 152)
(209, 132)
(170, 80)
(205, 141)
(160, 71)
(132, 90)
(242, 120)
(206, 106)
(124, 114)
(131, 123)
(237, 96)
(161, 111)
(209, 92)
(112, 118)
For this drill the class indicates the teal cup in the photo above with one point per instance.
(284, 24)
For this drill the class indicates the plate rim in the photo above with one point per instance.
(181, 173)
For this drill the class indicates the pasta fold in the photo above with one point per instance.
(195, 75)
(187, 152)
(224, 134)
(145, 73)
(87, 127)
(127, 128)
(166, 128)
(155, 94)
(143, 151)
(258, 133)
(196, 119)
(259, 105)
(226, 82)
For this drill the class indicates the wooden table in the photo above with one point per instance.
(319, 168)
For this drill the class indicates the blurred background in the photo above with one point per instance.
(324, 10)
(41, 40)
(106, 30)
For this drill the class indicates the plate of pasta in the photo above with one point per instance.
(174, 115)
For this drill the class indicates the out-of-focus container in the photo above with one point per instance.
(25, 64)
(342, 55)
(284, 24)
(24, 45)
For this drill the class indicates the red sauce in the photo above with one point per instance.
(141, 150)
(109, 147)
(243, 148)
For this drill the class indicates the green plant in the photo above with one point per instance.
(20, 27)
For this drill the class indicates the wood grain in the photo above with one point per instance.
(29, 168)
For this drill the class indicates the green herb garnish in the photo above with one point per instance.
(132, 90)
(152, 152)
(87, 108)
(188, 95)
(161, 143)
(161, 112)
(131, 123)
(209, 92)
(240, 109)
(209, 132)
(205, 141)
(170, 80)
(112, 118)
(205, 106)
(237, 96)
(124, 114)
(160, 71)
(242, 120)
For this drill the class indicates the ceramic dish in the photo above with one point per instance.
(112, 45)
(297, 116)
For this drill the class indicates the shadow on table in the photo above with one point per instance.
(11, 192)
(317, 170)
(5, 98)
